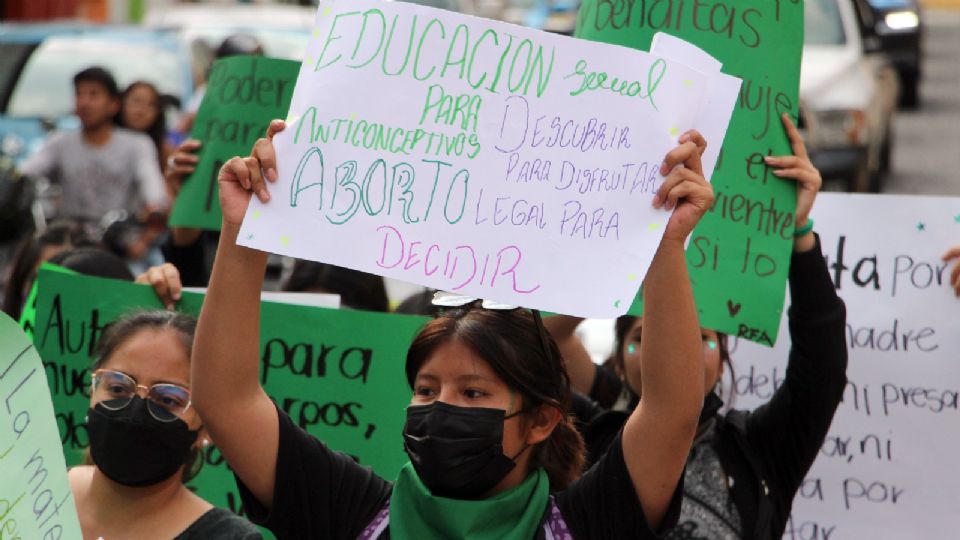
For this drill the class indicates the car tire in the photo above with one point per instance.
(886, 152)
(860, 180)
(910, 91)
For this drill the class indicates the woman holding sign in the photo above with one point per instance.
(146, 438)
(493, 453)
(745, 466)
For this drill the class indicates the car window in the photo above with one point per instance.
(45, 86)
(822, 24)
(12, 56)
(891, 4)
(286, 43)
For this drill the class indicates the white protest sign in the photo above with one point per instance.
(888, 468)
(720, 96)
(474, 156)
(35, 496)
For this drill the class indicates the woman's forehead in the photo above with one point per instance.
(152, 356)
(454, 360)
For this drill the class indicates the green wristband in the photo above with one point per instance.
(802, 231)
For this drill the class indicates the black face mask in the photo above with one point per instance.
(133, 448)
(457, 451)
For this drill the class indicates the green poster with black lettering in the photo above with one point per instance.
(243, 94)
(339, 374)
(739, 255)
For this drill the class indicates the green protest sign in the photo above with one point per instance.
(339, 374)
(739, 256)
(35, 496)
(29, 314)
(244, 93)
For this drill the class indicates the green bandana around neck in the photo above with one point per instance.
(515, 514)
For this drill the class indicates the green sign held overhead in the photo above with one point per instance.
(339, 374)
(243, 94)
(35, 496)
(739, 256)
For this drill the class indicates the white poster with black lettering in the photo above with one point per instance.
(889, 467)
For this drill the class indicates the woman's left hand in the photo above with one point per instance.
(798, 167)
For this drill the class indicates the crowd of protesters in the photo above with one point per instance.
(512, 431)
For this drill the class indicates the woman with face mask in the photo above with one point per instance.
(745, 466)
(146, 438)
(492, 451)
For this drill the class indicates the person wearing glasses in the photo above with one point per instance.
(493, 452)
(146, 438)
(745, 466)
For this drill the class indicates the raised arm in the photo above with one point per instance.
(788, 430)
(239, 415)
(580, 367)
(659, 432)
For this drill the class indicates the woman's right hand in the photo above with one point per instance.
(241, 177)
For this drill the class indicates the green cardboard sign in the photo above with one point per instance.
(244, 93)
(739, 255)
(337, 373)
(35, 496)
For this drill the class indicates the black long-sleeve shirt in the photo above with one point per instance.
(769, 451)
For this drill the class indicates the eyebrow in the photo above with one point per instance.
(468, 377)
(162, 381)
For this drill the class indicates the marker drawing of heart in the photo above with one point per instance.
(733, 308)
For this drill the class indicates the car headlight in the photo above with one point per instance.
(843, 127)
(901, 20)
(11, 145)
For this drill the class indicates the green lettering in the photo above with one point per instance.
(363, 29)
(332, 38)
(503, 57)
(513, 64)
(453, 43)
(406, 57)
(473, 56)
(416, 61)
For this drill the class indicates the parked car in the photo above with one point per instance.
(282, 30)
(847, 97)
(38, 63)
(895, 28)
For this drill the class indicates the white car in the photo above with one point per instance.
(847, 97)
(282, 30)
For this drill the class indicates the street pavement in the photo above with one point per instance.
(926, 155)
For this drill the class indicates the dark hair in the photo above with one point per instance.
(97, 74)
(27, 256)
(239, 44)
(625, 322)
(122, 329)
(357, 290)
(420, 303)
(510, 343)
(158, 130)
(92, 261)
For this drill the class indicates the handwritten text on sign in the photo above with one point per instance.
(888, 466)
(35, 496)
(471, 155)
(323, 367)
(739, 254)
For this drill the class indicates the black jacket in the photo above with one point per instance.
(769, 451)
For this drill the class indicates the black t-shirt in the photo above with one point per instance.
(218, 523)
(320, 493)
